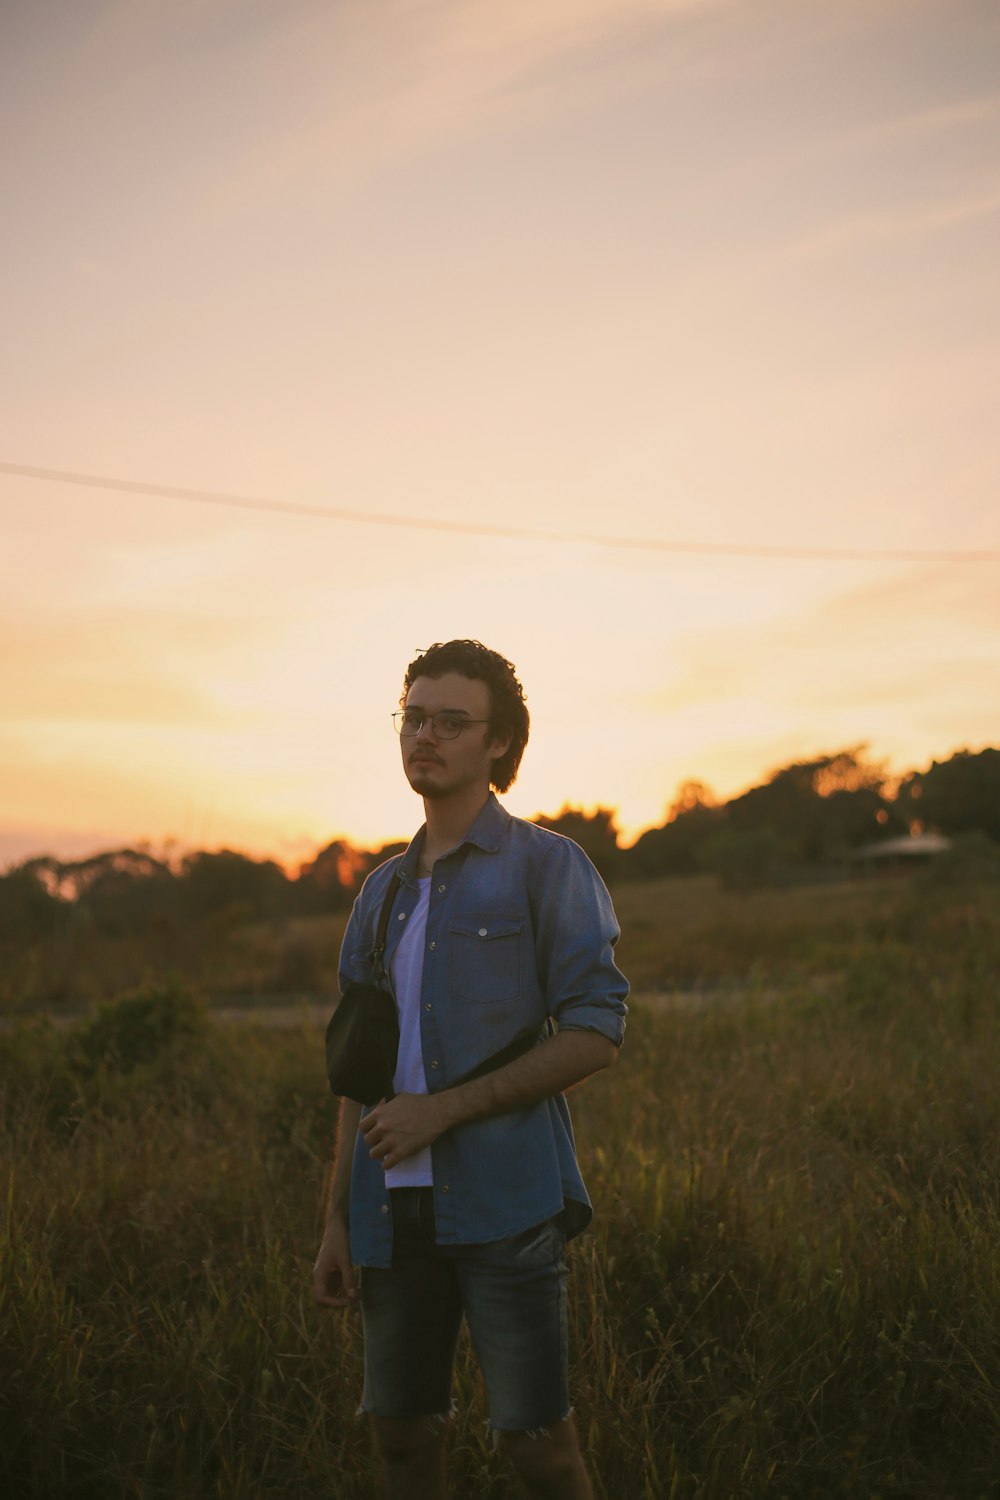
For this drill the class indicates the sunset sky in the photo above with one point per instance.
(718, 273)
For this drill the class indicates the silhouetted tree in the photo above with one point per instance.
(818, 808)
(329, 882)
(228, 883)
(958, 795)
(29, 908)
(673, 849)
(121, 890)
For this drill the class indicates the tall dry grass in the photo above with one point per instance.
(791, 1289)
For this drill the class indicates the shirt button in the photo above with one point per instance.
(385, 1208)
(428, 1006)
(402, 916)
(441, 887)
(482, 932)
(435, 1064)
(446, 1188)
(433, 946)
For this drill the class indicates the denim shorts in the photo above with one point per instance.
(512, 1293)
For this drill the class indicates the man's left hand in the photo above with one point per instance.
(401, 1126)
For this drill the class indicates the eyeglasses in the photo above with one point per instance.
(410, 721)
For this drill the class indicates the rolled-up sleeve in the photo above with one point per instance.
(575, 932)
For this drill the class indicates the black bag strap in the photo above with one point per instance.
(377, 956)
(523, 1042)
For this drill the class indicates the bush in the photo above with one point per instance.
(141, 1028)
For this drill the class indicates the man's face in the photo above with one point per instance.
(437, 767)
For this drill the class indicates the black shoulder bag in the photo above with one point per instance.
(362, 1039)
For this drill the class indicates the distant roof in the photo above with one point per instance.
(905, 848)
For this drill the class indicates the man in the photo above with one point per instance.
(461, 1192)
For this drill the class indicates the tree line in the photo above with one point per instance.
(806, 817)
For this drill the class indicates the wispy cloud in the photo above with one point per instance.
(137, 671)
(887, 641)
(374, 86)
(923, 124)
(863, 231)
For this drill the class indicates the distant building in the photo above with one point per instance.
(900, 854)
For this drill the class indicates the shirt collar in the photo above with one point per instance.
(486, 833)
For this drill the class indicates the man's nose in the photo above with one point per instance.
(426, 730)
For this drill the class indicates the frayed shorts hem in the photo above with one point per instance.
(539, 1432)
(437, 1420)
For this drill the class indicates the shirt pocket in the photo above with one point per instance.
(485, 959)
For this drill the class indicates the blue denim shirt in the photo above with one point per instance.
(520, 928)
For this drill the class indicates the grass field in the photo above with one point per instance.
(791, 1289)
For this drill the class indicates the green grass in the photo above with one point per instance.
(791, 1288)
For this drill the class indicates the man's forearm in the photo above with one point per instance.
(399, 1127)
(550, 1068)
(334, 1282)
(338, 1196)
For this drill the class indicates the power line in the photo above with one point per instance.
(520, 533)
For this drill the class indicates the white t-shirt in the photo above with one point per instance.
(407, 968)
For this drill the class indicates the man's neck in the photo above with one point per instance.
(449, 820)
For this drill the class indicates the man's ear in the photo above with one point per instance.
(500, 744)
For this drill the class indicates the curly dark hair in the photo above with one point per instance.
(508, 710)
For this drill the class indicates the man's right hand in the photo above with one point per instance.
(333, 1275)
